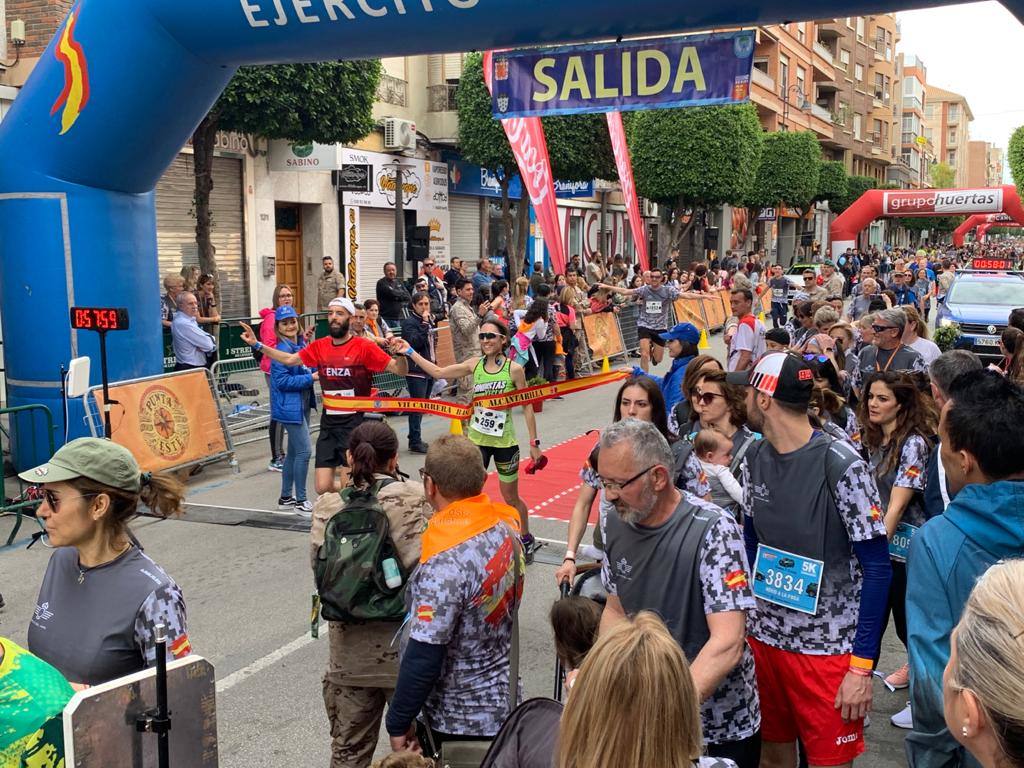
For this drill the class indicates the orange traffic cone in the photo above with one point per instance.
(606, 366)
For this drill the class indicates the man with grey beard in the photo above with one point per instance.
(670, 552)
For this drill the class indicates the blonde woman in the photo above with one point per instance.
(653, 718)
(983, 684)
(520, 294)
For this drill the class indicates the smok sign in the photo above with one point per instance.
(942, 202)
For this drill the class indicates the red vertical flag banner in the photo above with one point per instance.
(530, 147)
(625, 167)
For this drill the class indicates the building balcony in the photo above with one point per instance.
(830, 29)
(760, 77)
(821, 113)
(392, 90)
(824, 52)
(441, 98)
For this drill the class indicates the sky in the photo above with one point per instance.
(972, 49)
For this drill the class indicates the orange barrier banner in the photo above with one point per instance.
(166, 421)
(766, 302)
(691, 311)
(463, 412)
(713, 312)
(603, 335)
(723, 296)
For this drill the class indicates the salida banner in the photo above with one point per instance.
(686, 71)
(942, 202)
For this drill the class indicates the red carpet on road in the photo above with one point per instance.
(551, 493)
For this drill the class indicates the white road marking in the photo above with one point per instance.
(270, 659)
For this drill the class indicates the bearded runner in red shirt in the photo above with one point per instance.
(345, 365)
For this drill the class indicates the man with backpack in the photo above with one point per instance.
(457, 658)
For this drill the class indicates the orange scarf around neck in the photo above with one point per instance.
(462, 520)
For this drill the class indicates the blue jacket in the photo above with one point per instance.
(291, 388)
(671, 383)
(983, 524)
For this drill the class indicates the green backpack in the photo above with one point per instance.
(349, 571)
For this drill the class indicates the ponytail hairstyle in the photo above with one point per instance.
(164, 494)
(373, 444)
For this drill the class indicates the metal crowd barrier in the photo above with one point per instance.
(22, 449)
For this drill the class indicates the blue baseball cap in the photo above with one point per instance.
(285, 312)
(683, 332)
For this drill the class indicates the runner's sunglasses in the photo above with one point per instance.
(706, 398)
(488, 336)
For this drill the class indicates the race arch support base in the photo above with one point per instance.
(879, 203)
(102, 116)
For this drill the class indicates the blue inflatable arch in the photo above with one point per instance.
(123, 84)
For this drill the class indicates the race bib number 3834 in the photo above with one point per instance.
(787, 579)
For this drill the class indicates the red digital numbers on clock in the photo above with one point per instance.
(99, 319)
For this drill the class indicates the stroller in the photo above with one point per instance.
(529, 737)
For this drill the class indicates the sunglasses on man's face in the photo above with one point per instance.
(819, 358)
(808, 277)
(882, 328)
(488, 336)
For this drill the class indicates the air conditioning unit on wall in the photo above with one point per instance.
(399, 134)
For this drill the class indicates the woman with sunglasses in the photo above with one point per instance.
(493, 431)
(102, 598)
(420, 330)
(682, 417)
(897, 423)
(721, 406)
(638, 398)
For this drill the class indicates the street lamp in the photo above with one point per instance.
(802, 101)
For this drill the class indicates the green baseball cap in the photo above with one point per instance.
(92, 457)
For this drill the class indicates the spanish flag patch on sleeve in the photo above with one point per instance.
(425, 613)
(736, 579)
(181, 647)
(876, 513)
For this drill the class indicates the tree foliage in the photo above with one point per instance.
(695, 158)
(942, 176)
(328, 103)
(789, 171)
(1015, 157)
(833, 183)
(930, 223)
(855, 187)
(580, 147)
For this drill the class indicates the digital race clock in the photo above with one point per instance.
(996, 265)
(99, 318)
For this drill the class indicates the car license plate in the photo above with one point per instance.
(987, 341)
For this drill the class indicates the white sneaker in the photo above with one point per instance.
(304, 508)
(903, 718)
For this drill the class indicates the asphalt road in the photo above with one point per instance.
(248, 593)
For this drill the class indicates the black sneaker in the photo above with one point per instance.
(419, 447)
(530, 545)
(286, 503)
(2, 603)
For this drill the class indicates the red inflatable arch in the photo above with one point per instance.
(983, 223)
(877, 203)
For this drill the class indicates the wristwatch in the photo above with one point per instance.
(409, 352)
(257, 346)
(535, 443)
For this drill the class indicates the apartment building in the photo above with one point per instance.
(948, 117)
(916, 148)
(984, 164)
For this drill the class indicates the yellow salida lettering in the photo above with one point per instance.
(643, 84)
(689, 70)
(575, 79)
(627, 73)
(541, 76)
(600, 89)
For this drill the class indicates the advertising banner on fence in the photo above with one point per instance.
(686, 71)
(624, 164)
(166, 421)
(530, 148)
(603, 335)
(942, 202)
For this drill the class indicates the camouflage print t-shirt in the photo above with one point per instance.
(462, 598)
(733, 711)
(777, 482)
(910, 472)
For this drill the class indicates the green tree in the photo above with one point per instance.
(695, 158)
(833, 183)
(855, 187)
(788, 174)
(1015, 157)
(931, 223)
(942, 176)
(328, 103)
(578, 146)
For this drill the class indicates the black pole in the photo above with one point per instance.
(64, 399)
(106, 388)
(162, 722)
(399, 221)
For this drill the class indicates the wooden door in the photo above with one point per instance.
(289, 252)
